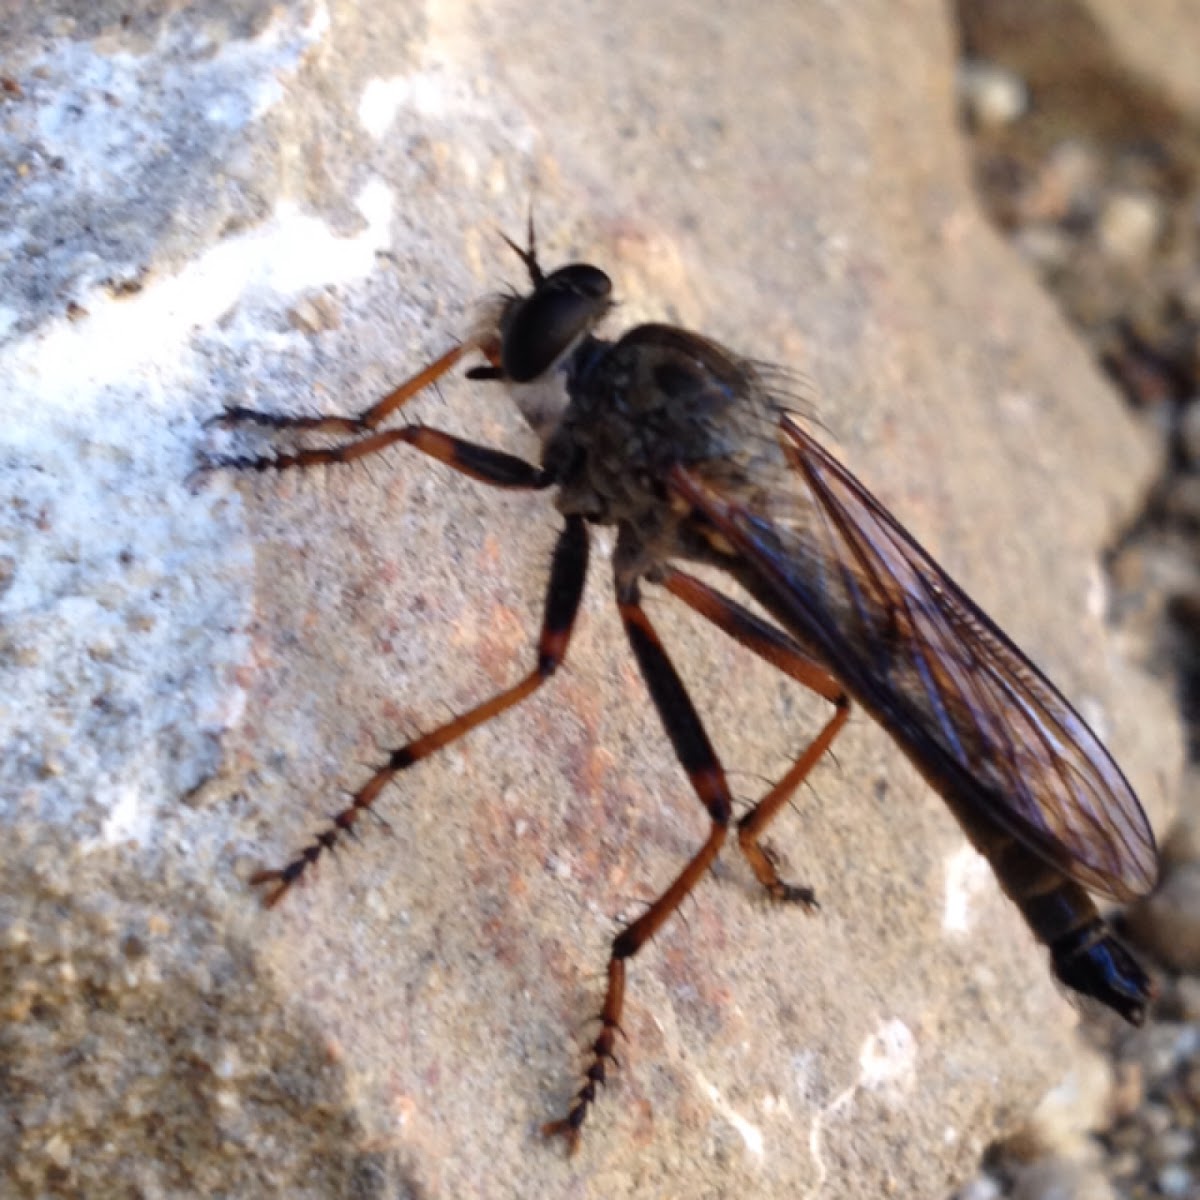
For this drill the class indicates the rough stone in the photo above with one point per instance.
(291, 205)
(1170, 920)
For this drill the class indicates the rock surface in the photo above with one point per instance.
(1156, 40)
(291, 205)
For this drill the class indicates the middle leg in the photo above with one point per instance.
(698, 758)
(776, 647)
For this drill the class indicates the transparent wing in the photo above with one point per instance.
(973, 713)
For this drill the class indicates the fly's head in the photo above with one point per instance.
(537, 330)
(530, 338)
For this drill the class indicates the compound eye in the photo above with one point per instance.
(563, 307)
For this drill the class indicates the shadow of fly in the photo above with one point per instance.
(692, 453)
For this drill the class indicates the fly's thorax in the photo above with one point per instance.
(657, 398)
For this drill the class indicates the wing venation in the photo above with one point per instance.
(950, 686)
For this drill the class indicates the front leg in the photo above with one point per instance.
(479, 462)
(490, 466)
(366, 420)
(495, 467)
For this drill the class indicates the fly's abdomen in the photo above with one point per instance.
(1086, 955)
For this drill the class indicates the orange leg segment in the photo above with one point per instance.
(567, 573)
(773, 646)
(699, 760)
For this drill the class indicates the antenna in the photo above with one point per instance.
(528, 256)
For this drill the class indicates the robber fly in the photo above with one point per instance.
(692, 453)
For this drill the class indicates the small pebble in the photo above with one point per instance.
(1046, 246)
(1176, 1180)
(1127, 1138)
(1075, 169)
(1124, 1165)
(991, 94)
(58, 1150)
(1129, 225)
(984, 1187)
(1068, 1111)
(315, 314)
(1061, 1179)
(1169, 1146)
(1182, 843)
(1191, 1080)
(1189, 295)
(1128, 1090)
(1154, 1118)
(1182, 499)
(1066, 185)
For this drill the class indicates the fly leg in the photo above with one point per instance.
(366, 420)
(704, 770)
(567, 573)
(773, 646)
(468, 458)
(364, 437)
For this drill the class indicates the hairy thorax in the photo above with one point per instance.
(657, 398)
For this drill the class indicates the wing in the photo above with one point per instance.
(981, 722)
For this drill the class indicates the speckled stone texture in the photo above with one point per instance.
(292, 205)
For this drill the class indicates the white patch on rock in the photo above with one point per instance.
(887, 1064)
(967, 876)
(127, 597)
(748, 1131)
(888, 1058)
